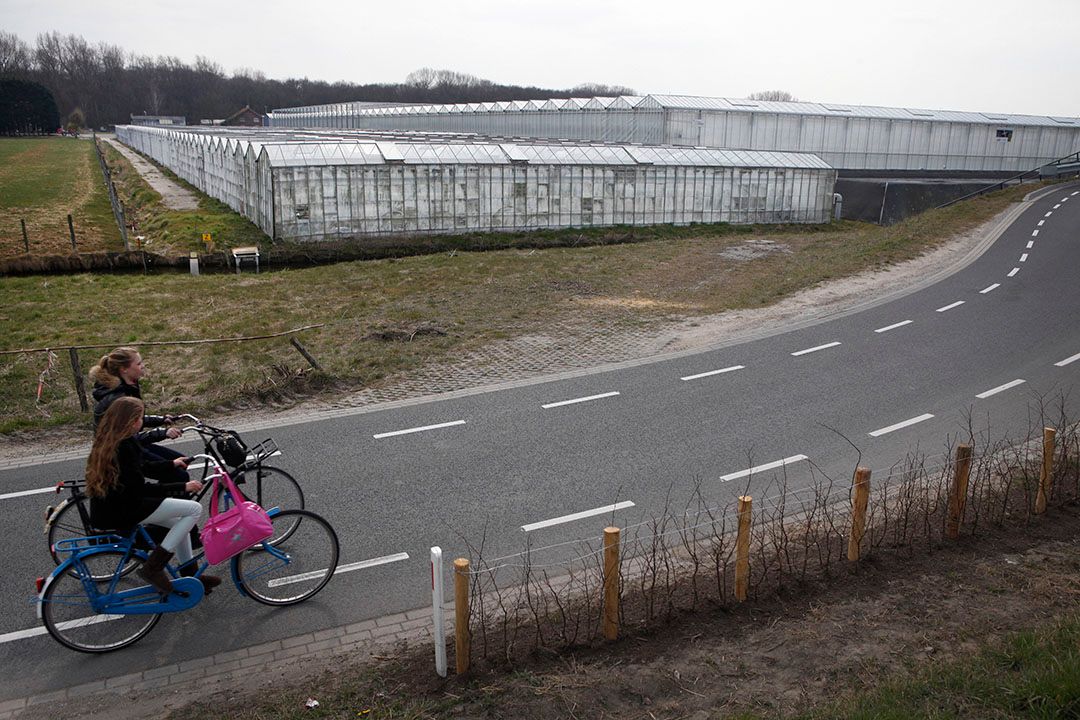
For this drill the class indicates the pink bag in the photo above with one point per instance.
(230, 533)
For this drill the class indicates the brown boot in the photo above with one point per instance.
(153, 570)
(209, 582)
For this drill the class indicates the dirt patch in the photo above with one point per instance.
(753, 249)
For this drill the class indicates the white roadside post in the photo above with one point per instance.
(437, 610)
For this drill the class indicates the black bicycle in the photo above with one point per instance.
(265, 484)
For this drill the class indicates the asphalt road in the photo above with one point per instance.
(646, 435)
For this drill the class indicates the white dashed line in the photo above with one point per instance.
(34, 632)
(290, 579)
(577, 516)
(1057, 206)
(579, 400)
(1074, 193)
(1034, 233)
(1041, 223)
(1031, 243)
(887, 328)
(999, 388)
(379, 436)
(24, 493)
(988, 289)
(900, 425)
(762, 468)
(1068, 360)
(1023, 257)
(1049, 214)
(1013, 272)
(807, 351)
(958, 303)
(1065, 199)
(713, 372)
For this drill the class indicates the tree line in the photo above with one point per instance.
(106, 84)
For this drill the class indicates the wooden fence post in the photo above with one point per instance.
(1046, 476)
(461, 615)
(76, 370)
(303, 351)
(611, 583)
(71, 229)
(858, 513)
(25, 238)
(742, 549)
(958, 493)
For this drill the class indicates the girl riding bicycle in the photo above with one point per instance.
(120, 497)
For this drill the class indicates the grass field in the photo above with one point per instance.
(42, 180)
(472, 297)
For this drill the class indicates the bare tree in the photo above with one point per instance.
(601, 90)
(15, 56)
(773, 96)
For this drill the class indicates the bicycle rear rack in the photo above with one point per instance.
(262, 451)
(75, 545)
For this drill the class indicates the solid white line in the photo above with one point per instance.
(1068, 360)
(762, 468)
(35, 631)
(815, 349)
(899, 425)
(1023, 257)
(887, 328)
(713, 372)
(24, 493)
(999, 388)
(958, 303)
(417, 429)
(579, 400)
(988, 289)
(276, 582)
(1030, 244)
(577, 516)
(1013, 272)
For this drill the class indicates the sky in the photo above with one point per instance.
(977, 55)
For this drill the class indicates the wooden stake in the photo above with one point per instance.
(611, 583)
(1047, 473)
(742, 549)
(958, 493)
(71, 229)
(858, 513)
(303, 351)
(25, 238)
(461, 615)
(76, 370)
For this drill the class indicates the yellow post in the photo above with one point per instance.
(1047, 470)
(611, 583)
(461, 615)
(742, 549)
(958, 494)
(858, 513)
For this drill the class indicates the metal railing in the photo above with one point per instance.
(1070, 159)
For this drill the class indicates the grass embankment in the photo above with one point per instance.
(42, 180)
(468, 299)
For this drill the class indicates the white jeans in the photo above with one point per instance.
(180, 516)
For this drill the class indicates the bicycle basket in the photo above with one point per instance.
(232, 449)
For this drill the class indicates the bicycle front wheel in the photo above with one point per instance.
(70, 618)
(294, 569)
(68, 523)
(272, 487)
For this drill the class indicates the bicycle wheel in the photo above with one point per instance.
(68, 523)
(294, 569)
(72, 621)
(273, 487)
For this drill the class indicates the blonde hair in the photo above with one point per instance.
(107, 370)
(102, 470)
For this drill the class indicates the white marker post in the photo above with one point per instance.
(437, 610)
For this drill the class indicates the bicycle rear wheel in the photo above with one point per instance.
(294, 569)
(68, 523)
(70, 618)
(273, 487)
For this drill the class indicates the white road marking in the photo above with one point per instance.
(1049, 214)
(713, 372)
(1034, 233)
(24, 493)
(1041, 223)
(1023, 257)
(807, 351)
(1013, 272)
(958, 303)
(35, 631)
(999, 388)
(988, 289)
(579, 400)
(577, 516)
(1030, 244)
(289, 580)
(1065, 199)
(1074, 193)
(1057, 206)
(201, 465)
(1070, 359)
(762, 468)
(379, 436)
(887, 328)
(899, 425)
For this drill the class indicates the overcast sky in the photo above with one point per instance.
(988, 55)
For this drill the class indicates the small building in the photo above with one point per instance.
(245, 117)
(159, 120)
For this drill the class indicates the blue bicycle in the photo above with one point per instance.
(93, 603)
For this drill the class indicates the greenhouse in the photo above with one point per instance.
(848, 137)
(301, 185)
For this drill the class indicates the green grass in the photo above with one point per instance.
(32, 170)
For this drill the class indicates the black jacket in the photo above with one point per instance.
(132, 498)
(105, 396)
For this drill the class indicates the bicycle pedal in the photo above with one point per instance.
(182, 593)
